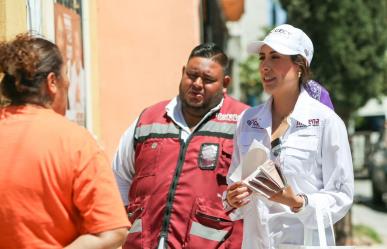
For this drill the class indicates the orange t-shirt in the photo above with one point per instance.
(55, 181)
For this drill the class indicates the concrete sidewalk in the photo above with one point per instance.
(371, 247)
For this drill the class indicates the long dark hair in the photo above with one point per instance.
(26, 62)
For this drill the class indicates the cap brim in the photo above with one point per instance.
(255, 47)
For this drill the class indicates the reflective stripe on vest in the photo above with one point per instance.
(156, 130)
(211, 128)
(136, 226)
(218, 129)
(209, 233)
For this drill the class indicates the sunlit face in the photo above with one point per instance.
(278, 72)
(201, 86)
(59, 104)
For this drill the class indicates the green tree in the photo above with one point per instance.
(385, 73)
(250, 79)
(350, 41)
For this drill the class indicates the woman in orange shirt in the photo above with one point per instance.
(56, 186)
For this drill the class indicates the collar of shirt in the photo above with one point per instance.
(263, 116)
(301, 113)
(174, 111)
(302, 110)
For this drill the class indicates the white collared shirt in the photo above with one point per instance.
(123, 162)
(316, 160)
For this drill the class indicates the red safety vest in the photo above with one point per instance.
(176, 191)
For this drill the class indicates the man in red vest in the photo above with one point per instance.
(172, 162)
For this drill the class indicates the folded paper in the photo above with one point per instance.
(259, 173)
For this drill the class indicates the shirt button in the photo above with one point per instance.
(154, 145)
(338, 185)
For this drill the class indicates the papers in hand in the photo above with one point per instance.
(258, 172)
(265, 180)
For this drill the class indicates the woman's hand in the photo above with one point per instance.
(237, 194)
(288, 198)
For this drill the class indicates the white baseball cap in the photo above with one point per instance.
(287, 40)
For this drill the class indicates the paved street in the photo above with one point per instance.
(364, 212)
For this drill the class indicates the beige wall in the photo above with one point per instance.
(12, 21)
(141, 47)
(137, 50)
(12, 18)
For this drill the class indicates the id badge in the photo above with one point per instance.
(208, 156)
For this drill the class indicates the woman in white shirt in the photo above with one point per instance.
(315, 156)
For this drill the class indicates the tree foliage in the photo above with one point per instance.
(350, 41)
(250, 78)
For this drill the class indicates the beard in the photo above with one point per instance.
(201, 108)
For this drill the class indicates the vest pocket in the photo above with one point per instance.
(135, 211)
(147, 158)
(208, 228)
(146, 166)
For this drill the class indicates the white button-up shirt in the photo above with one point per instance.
(316, 160)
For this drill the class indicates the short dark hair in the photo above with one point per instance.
(26, 62)
(306, 73)
(212, 51)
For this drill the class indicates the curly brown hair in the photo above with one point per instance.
(25, 63)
